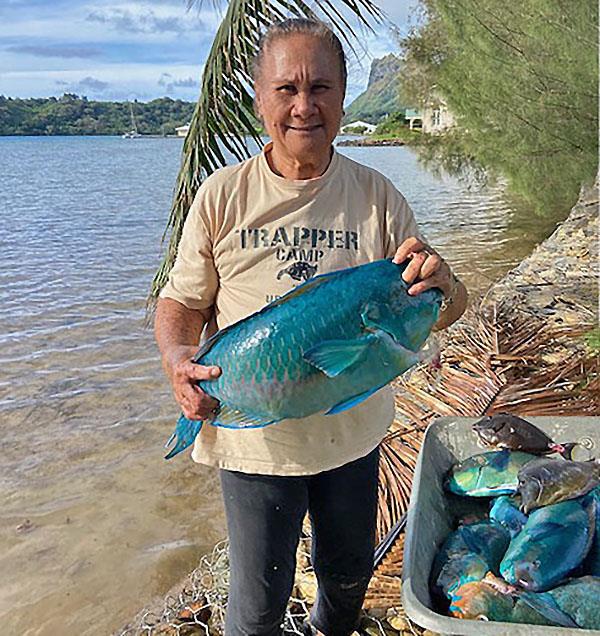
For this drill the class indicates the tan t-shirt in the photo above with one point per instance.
(250, 237)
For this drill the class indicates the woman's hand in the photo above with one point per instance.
(426, 267)
(429, 270)
(183, 373)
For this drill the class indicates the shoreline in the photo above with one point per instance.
(554, 287)
(367, 142)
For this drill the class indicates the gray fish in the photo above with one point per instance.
(504, 430)
(544, 481)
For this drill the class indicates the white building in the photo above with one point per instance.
(182, 131)
(437, 117)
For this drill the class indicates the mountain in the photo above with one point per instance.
(382, 94)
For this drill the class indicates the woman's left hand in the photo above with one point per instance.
(426, 267)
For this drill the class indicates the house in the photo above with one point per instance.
(359, 127)
(437, 117)
(182, 131)
(414, 118)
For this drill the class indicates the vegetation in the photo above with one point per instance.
(522, 81)
(382, 96)
(592, 341)
(74, 115)
(395, 127)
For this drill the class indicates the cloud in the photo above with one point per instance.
(166, 80)
(55, 51)
(93, 84)
(147, 22)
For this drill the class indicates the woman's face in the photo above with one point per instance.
(299, 96)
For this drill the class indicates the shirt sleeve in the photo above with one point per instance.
(399, 221)
(193, 280)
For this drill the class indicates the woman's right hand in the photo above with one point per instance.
(183, 373)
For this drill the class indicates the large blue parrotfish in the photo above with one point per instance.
(553, 543)
(468, 554)
(487, 474)
(325, 346)
(592, 562)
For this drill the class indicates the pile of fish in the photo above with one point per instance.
(534, 555)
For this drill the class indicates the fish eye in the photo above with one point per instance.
(481, 617)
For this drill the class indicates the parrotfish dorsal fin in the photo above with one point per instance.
(302, 289)
(293, 293)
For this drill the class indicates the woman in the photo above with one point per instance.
(295, 210)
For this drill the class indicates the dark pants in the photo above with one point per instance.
(264, 519)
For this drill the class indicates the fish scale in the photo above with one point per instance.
(322, 348)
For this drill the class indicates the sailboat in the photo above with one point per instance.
(133, 133)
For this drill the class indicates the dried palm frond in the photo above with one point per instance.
(223, 118)
(497, 358)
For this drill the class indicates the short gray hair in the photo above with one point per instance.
(304, 26)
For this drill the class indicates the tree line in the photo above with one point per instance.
(521, 80)
(75, 115)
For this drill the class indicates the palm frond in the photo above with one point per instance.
(498, 358)
(223, 118)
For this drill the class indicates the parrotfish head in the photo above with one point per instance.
(530, 490)
(409, 319)
(488, 429)
(526, 574)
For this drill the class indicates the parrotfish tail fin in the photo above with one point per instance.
(565, 450)
(430, 358)
(185, 432)
(430, 353)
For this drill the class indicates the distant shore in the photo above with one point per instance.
(368, 141)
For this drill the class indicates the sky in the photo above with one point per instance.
(112, 50)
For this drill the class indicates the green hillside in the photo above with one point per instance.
(382, 96)
(74, 115)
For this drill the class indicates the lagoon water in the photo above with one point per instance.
(93, 523)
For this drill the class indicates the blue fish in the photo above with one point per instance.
(505, 511)
(468, 554)
(580, 599)
(564, 529)
(323, 347)
(592, 562)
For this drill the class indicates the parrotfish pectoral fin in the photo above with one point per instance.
(353, 401)
(335, 356)
(544, 529)
(185, 432)
(231, 418)
(547, 607)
